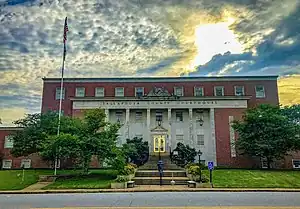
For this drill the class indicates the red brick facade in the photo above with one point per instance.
(221, 115)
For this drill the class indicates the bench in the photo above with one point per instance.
(191, 184)
(130, 184)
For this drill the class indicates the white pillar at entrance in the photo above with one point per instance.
(107, 115)
(169, 142)
(127, 123)
(191, 127)
(213, 135)
(148, 136)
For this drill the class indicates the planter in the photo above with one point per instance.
(118, 185)
(203, 185)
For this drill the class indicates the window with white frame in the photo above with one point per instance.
(158, 115)
(198, 91)
(99, 92)
(139, 91)
(138, 115)
(25, 163)
(119, 115)
(8, 142)
(264, 163)
(80, 92)
(57, 93)
(179, 138)
(179, 116)
(296, 163)
(219, 91)
(239, 91)
(6, 164)
(260, 91)
(200, 139)
(178, 91)
(119, 91)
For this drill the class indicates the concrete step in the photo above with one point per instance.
(165, 167)
(155, 173)
(156, 180)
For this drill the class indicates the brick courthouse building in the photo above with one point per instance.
(197, 111)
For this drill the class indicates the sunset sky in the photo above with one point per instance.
(144, 38)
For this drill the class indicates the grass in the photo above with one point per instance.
(97, 179)
(237, 178)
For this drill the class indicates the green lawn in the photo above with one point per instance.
(98, 179)
(234, 178)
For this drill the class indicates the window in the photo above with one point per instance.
(6, 164)
(239, 91)
(259, 91)
(57, 93)
(178, 91)
(80, 92)
(198, 92)
(179, 137)
(26, 163)
(99, 92)
(179, 116)
(296, 163)
(8, 143)
(139, 91)
(138, 115)
(219, 91)
(200, 139)
(264, 163)
(119, 115)
(119, 92)
(159, 115)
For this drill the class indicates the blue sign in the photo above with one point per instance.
(210, 165)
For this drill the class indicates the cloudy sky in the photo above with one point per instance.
(144, 38)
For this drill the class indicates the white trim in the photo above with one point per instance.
(243, 90)
(298, 167)
(257, 96)
(200, 87)
(135, 90)
(178, 87)
(90, 104)
(232, 137)
(215, 90)
(116, 91)
(161, 79)
(78, 91)
(7, 160)
(96, 95)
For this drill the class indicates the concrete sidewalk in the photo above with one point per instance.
(149, 188)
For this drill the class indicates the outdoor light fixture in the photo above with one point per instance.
(159, 123)
(201, 121)
(200, 172)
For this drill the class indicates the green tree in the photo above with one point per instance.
(185, 155)
(292, 112)
(266, 133)
(136, 150)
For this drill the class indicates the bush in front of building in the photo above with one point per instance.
(185, 155)
(136, 151)
(194, 173)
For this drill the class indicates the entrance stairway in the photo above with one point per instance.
(149, 175)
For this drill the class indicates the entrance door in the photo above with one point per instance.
(159, 143)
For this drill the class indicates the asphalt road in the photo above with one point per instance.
(151, 199)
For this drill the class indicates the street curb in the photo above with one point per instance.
(142, 190)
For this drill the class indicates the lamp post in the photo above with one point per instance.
(200, 172)
(201, 122)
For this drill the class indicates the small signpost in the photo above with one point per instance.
(210, 166)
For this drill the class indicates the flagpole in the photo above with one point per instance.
(61, 92)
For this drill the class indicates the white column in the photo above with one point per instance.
(191, 128)
(213, 135)
(107, 115)
(169, 143)
(232, 137)
(127, 123)
(148, 137)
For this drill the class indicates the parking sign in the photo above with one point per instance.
(210, 165)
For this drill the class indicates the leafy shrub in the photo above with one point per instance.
(190, 164)
(136, 151)
(133, 165)
(121, 179)
(186, 155)
(204, 179)
(129, 169)
(194, 170)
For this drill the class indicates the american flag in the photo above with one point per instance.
(66, 29)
